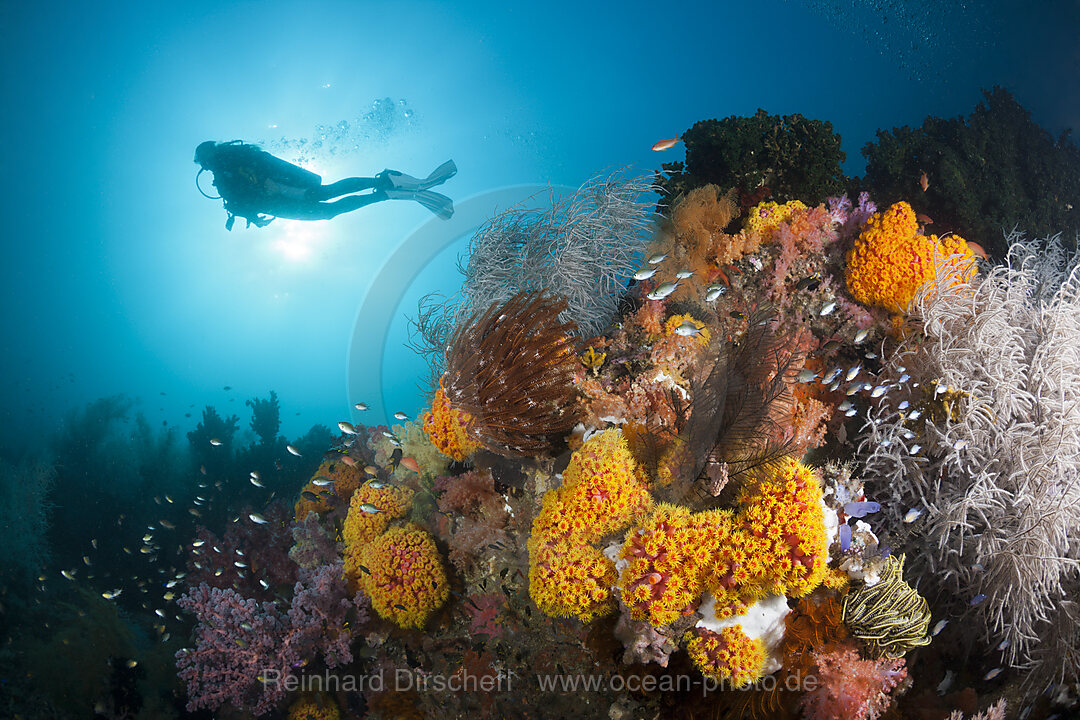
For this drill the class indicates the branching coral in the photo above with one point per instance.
(996, 472)
(510, 370)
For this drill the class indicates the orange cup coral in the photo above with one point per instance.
(784, 520)
(728, 656)
(362, 526)
(569, 579)
(345, 480)
(891, 261)
(447, 428)
(405, 577)
(666, 559)
(603, 491)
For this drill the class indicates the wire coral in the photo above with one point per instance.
(405, 576)
(891, 260)
(996, 469)
(510, 370)
(889, 615)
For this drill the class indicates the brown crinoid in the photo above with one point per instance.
(511, 369)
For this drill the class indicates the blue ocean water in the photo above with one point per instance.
(120, 279)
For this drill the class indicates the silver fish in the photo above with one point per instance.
(852, 372)
(688, 329)
(939, 627)
(912, 515)
(644, 273)
(713, 292)
(369, 508)
(805, 375)
(662, 291)
(992, 674)
(657, 259)
(347, 427)
(255, 482)
(360, 406)
(860, 336)
(401, 416)
(258, 519)
(828, 308)
(293, 450)
(215, 442)
(683, 274)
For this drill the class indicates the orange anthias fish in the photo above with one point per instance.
(666, 144)
(977, 249)
(411, 464)
(923, 182)
(923, 219)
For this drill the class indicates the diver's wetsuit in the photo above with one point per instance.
(254, 183)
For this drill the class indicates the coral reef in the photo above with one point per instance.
(986, 173)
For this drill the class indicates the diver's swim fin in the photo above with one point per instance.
(401, 181)
(406, 187)
(433, 201)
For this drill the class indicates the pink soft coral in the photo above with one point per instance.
(850, 688)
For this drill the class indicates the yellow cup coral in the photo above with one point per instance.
(729, 656)
(404, 576)
(666, 558)
(570, 579)
(891, 261)
(320, 499)
(314, 707)
(447, 427)
(784, 520)
(603, 491)
(370, 513)
(765, 217)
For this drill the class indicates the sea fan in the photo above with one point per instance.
(583, 248)
(511, 369)
(990, 451)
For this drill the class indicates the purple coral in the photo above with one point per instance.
(244, 651)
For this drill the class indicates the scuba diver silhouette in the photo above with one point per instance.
(259, 187)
